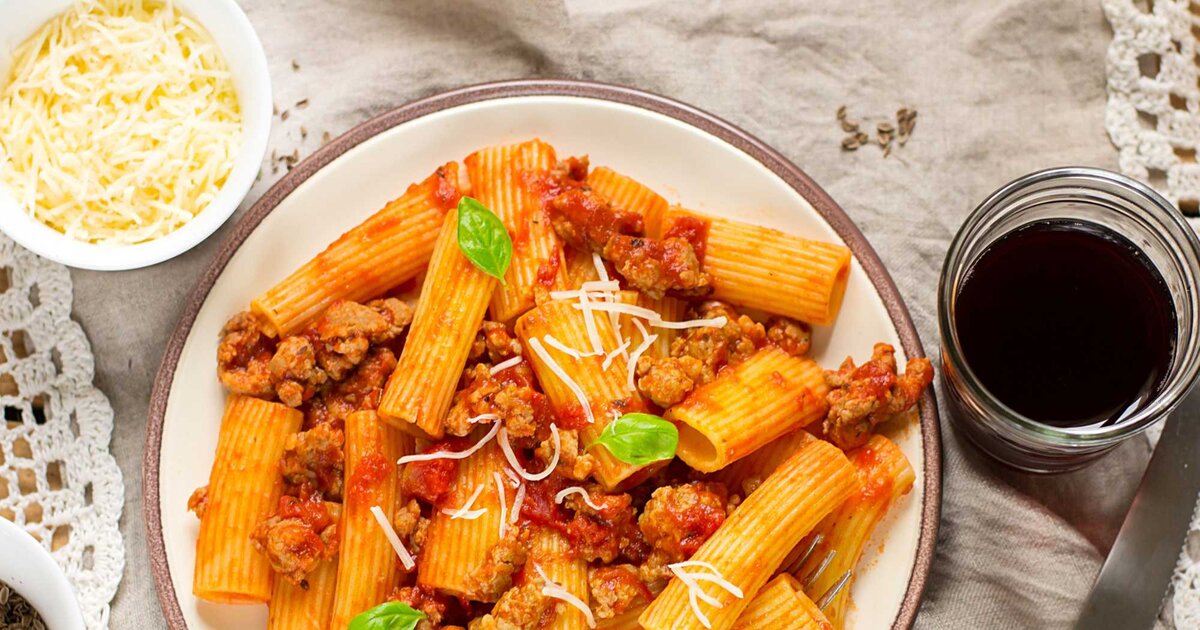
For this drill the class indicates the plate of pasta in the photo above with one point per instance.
(543, 355)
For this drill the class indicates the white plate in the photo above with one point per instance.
(687, 156)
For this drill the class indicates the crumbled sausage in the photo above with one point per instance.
(297, 537)
(492, 578)
(429, 480)
(572, 463)
(315, 457)
(668, 380)
(699, 353)
(616, 589)
(678, 519)
(793, 337)
(362, 389)
(861, 397)
(295, 372)
(198, 502)
(524, 607)
(602, 534)
(500, 344)
(658, 267)
(243, 356)
(426, 600)
(587, 221)
(511, 397)
(345, 331)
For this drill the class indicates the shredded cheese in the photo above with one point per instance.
(465, 512)
(540, 350)
(715, 322)
(390, 533)
(614, 354)
(121, 121)
(636, 355)
(565, 349)
(425, 457)
(622, 308)
(601, 269)
(512, 476)
(601, 285)
(555, 590)
(569, 490)
(589, 322)
(516, 465)
(517, 503)
(500, 496)
(696, 592)
(505, 364)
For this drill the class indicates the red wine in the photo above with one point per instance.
(1066, 322)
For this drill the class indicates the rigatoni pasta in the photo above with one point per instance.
(451, 308)
(456, 548)
(551, 552)
(242, 490)
(766, 269)
(401, 236)
(367, 563)
(884, 476)
(752, 543)
(782, 605)
(626, 193)
(511, 180)
(307, 606)
(590, 395)
(747, 406)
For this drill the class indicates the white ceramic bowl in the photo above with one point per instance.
(243, 52)
(32, 573)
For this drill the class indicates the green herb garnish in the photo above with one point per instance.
(483, 239)
(639, 438)
(387, 616)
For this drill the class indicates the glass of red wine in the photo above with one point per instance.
(1068, 310)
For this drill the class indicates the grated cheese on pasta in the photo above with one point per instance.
(120, 121)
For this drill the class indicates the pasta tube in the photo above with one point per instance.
(884, 475)
(626, 193)
(782, 605)
(381, 253)
(453, 301)
(455, 548)
(747, 406)
(308, 606)
(367, 570)
(511, 180)
(605, 391)
(766, 269)
(747, 549)
(243, 489)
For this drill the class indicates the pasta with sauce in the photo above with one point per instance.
(607, 447)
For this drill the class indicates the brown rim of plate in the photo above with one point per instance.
(755, 148)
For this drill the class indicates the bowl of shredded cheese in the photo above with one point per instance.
(130, 130)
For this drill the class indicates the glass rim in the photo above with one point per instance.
(1180, 379)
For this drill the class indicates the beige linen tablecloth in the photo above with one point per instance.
(1002, 87)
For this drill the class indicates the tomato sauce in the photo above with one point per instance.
(372, 469)
(445, 191)
(548, 272)
(692, 230)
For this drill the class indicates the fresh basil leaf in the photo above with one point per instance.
(639, 438)
(483, 238)
(387, 616)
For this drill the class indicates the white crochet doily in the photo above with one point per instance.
(1153, 117)
(57, 478)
